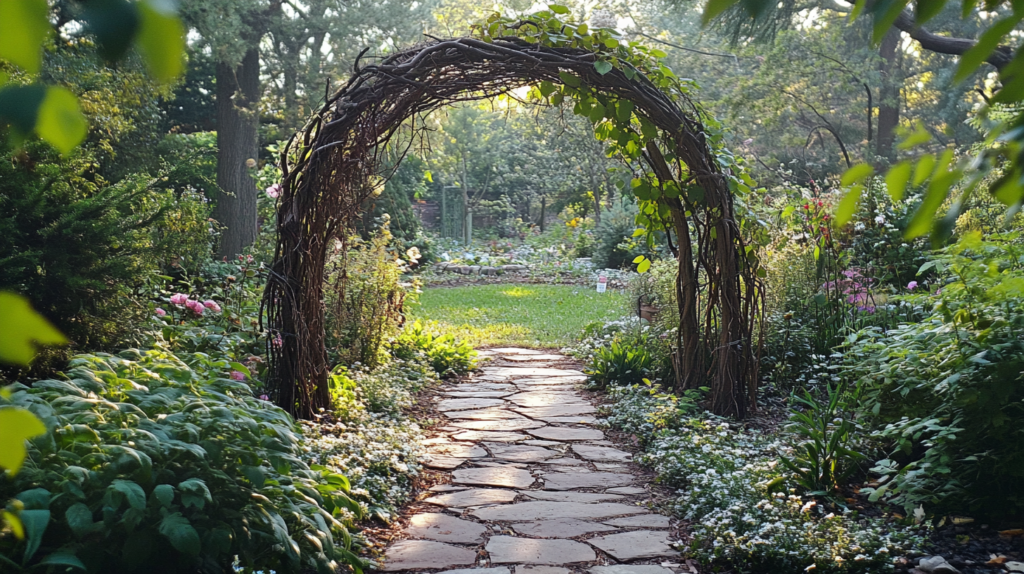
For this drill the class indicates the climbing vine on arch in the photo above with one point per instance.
(685, 182)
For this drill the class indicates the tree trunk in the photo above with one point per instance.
(238, 91)
(889, 97)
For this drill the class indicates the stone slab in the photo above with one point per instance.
(642, 521)
(495, 570)
(630, 569)
(559, 528)
(520, 453)
(556, 411)
(490, 414)
(561, 496)
(562, 380)
(473, 497)
(505, 476)
(426, 554)
(635, 545)
(495, 436)
(601, 453)
(477, 394)
(537, 357)
(445, 528)
(515, 351)
(538, 442)
(545, 399)
(565, 461)
(524, 372)
(572, 480)
(472, 387)
(468, 404)
(627, 490)
(457, 450)
(577, 420)
(513, 550)
(521, 423)
(539, 569)
(547, 510)
(446, 488)
(566, 433)
(441, 462)
(610, 467)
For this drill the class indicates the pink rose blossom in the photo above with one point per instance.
(912, 285)
(195, 306)
(160, 312)
(274, 191)
(212, 305)
(179, 299)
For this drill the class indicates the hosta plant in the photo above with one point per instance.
(152, 464)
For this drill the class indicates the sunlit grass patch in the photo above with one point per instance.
(531, 315)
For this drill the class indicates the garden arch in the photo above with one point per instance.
(328, 168)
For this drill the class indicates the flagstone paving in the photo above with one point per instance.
(535, 488)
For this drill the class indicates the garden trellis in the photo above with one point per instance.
(684, 184)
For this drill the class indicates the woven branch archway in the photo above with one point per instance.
(327, 177)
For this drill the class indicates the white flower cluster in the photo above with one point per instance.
(733, 491)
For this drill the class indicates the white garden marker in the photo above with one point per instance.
(602, 284)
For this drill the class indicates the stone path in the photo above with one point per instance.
(534, 487)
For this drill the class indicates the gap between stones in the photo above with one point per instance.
(535, 488)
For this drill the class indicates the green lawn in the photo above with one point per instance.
(524, 315)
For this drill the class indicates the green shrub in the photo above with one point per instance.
(612, 249)
(364, 301)
(78, 246)
(446, 355)
(622, 362)
(157, 466)
(947, 392)
(826, 460)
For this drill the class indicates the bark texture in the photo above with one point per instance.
(238, 92)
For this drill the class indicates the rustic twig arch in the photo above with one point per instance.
(328, 166)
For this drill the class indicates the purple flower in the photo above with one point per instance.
(160, 312)
(179, 299)
(212, 305)
(274, 191)
(912, 285)
(264, 397)
(238, 375)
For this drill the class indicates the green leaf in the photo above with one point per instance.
(569, 79)
(24, 24)
(987, 43)
(937, 191)
(35, 522)
(79, 519)
(644, 266)
(164, 494)
(194, 493)
(114, 23)
(885, 13)
(624, 111)
(162, 41)
(856, 174)
(848, 205)
(61, 122)
(19, 106)
(896, 180)
(602, 67)
(922, 169)
(558, 9)
(241, 369)
(11, 520)
(917, 137)
(714, 8)
(925, 10)
(546, 88)
(16, 425)
(638, 258)
(63, 558)
(182, 536)
(132, 492)
(597, 113)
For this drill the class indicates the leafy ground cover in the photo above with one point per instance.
(524, 315)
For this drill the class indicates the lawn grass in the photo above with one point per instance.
(521, 315)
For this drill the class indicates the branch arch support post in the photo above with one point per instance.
(684, 182)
